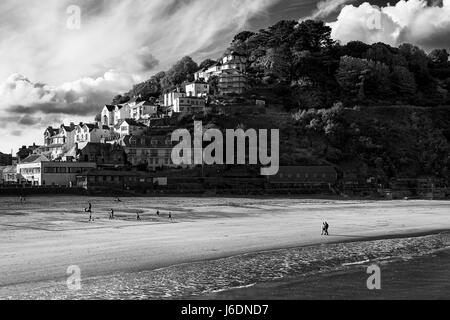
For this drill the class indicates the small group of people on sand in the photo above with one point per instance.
(325, 228)
(111, 213)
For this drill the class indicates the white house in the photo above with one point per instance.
(143, 110)
(39, 171)
(197, 89)
(108, 115)
(130, 127)
(232, 61)
(58, 141)
(122, 112)
(169, 98)
(86, 133)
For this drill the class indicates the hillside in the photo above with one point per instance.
(371, 110)
(379, 142)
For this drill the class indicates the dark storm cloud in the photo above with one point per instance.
(75, 109)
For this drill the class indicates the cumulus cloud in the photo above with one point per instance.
(81, 97)
(408, 21)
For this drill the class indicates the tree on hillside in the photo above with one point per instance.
(313, 36)
(181, 72)
(119, 99)
(356, 49)
(439, 56)
(281, 33)
(417, 62)
(377, 82)
(380, 52)
(351, 76)
(243, 36)
(148, 89)
(403, 81)
(206, 64)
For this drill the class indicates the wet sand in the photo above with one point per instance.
(39, 240)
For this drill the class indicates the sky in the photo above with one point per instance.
(62, 60)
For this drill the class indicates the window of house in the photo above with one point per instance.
(49, 170)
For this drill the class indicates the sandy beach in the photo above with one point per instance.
(40, 239)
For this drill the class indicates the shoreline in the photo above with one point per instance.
(214, 230)
(420, 278)
(230, 196)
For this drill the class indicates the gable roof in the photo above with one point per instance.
(52, 131)
(130, 122)
(110, 108)
(90, 126)
(35, 158)
(68, 128)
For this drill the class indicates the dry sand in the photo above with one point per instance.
(39, 240)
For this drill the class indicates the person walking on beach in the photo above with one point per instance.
(157, 213)
(111, 215)
(170, 216)
(326, 226)
(138, 216)
(89, 210)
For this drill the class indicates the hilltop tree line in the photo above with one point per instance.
(303, 67)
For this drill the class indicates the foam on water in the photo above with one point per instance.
(197, 279)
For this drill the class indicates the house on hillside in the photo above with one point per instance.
(185, 105)
(86, 133)
(230, 70)
(130, 127)
(232, 81)
(121, 112)
(197, 89)
(25, 151)
(153, 152)
(102, 154)
(170, 97)
(108, 115)
(57, 141)
(143, 110)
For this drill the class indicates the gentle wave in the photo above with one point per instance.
(198, 279)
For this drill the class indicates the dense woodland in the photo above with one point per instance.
(373, 110)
